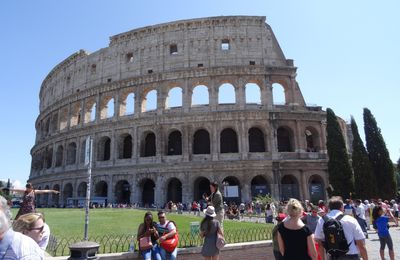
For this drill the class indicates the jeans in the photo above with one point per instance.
(162, 254)
(151, 253)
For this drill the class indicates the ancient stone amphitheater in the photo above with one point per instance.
(173, 106)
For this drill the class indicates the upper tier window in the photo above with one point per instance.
(173, 49)
(225, 45)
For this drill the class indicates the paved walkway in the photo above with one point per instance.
(373, 244)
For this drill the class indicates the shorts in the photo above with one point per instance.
(386, 241)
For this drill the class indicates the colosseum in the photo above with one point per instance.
(174, 106)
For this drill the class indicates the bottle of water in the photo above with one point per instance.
(132, 244)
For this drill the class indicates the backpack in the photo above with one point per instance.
(335, 241)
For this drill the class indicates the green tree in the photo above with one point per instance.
(379, 157)
(339, 169)
(364, 178)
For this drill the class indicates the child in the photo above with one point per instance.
(381, 222)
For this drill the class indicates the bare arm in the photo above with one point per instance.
(281, 244)
(46, 191)
(363, 250)
(311, 247)
(321, 249)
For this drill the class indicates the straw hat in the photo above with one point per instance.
(210, 211)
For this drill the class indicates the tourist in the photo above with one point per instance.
(275, 244)
(359, 214)
(295, 239)
(147, 236)
(312, 218)
(166, 230)
(14, 245)
(208, 230)
(352, 231)
(268, 214)
(217, 202)
(382, 225)
(28, 199)
(33, 225)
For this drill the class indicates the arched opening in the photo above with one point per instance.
(63, 118)
(253, 94)
(92, 113)
(130, 104)
(71, 153)
(109, 109)
(228, 141)
(174, 98)
(278, 94)
(289, 188)
(148, 187)
(104, 149)
(256, 140)
(59, 155)
(201, 142)
(126, 152)
(149, 146)
(316, 188)
(311, 139)
(149, 103)
(49, 158)
(231, 190)
(226, 94)
(201, 186)
(284, 140)
(82, 188)
(259, 186)
(75, 114)
(200, 95)
(67, 193)
(175, 143)
(101, 189)
(174, 190)
(56, 197)
(123, 192)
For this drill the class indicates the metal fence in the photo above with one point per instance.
(58, 246)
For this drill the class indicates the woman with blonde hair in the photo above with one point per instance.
(295, 239)
(33, 225)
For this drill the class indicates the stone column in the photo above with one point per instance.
(246, 192)
(303, 186)
(187, 190)
(110, 189)
(299, 144)
(266, 94)
(69, 116)
(240, 94)
(187, 93)
(213, 94)
(138, 104)
(214, 142)
(98, 108)
(276, 189)
(161, 98)
(244, 144)
(116, 105)
(160, 194)
(186, 151)
(323, 137)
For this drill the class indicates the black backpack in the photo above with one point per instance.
(335, 242)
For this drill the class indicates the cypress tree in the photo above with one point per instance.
(364, 178)
(379, 157)
(339, 169)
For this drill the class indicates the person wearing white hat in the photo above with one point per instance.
(208, 230)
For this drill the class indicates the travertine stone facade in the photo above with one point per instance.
(170, 149)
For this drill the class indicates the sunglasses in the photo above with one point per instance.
(38, 228)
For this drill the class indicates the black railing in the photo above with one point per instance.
(58, 246)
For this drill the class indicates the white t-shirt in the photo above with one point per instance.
(352, 230)
(360, 211)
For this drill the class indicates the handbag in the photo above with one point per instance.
(145, 243)
(220, 243)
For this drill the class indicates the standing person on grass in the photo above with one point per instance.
(296, 241)
(217, 202)
(208, 230)
(382, 224)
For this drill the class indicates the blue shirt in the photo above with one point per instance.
(382, 224)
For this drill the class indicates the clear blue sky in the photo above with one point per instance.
(347, 54)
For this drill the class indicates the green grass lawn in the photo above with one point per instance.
(68, 223)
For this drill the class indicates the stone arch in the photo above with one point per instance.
(174, 190)
(174, 143)
(129, 103)
(123, 192)
(278, 94)
(56, 197)
(63, 118)
(201, 142)
(104, 149)
(149, 101)
(260, 186)
(90, 110)
(200, 95)
(125, 146)
(148, 191)
(75, 118)
(316, 188)
(82, 189)
(174, 98)
(253, 93)
(107, 107)
(226, 94)
(200, 186)
(148, 145)
(232, 190)
(49, 157)
(229, 141)
(312, 139)
(101, 189)
(289, 187)
(285, 139)
(256, 140)
(59, 156)
(71, 153)
(67, 192)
